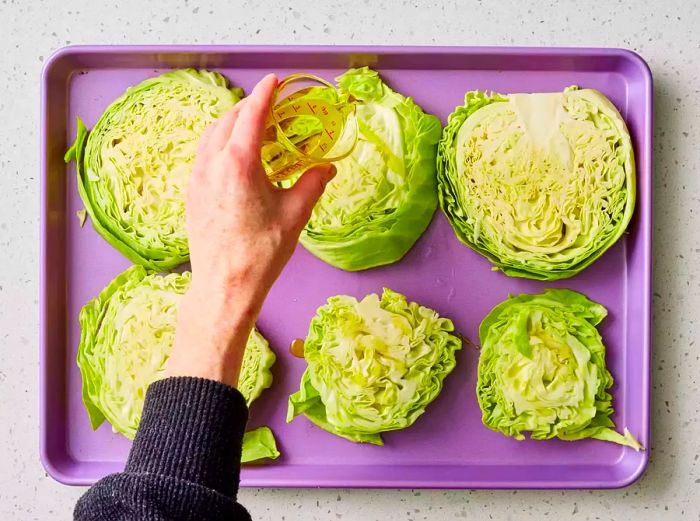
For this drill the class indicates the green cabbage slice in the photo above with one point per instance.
(384, 194)
(126, 336)
(540, 184)
(134, 165)
(542, 369)
(374, 365)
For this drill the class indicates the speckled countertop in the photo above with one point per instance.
(665, 33)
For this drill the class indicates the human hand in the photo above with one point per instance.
(242, 230)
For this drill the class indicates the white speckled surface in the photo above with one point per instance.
(665, 33)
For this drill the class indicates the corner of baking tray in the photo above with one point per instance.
(636, 474)
(640, 63)
(55, 468)
(57, 57)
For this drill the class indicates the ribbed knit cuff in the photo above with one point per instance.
(191, 429)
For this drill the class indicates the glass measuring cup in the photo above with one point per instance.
(310, 122)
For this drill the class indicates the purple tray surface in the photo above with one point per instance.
(448, 447)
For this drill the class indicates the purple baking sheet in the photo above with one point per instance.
(447, 447)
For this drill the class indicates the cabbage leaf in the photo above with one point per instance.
(259, 444)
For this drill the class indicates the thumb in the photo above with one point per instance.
(302, 197)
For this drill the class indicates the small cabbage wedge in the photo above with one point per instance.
(373, 365)
(134, 165)
(384, 194)
(540, 184)
(126, 336)
(542, 369)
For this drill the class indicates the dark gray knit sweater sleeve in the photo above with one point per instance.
(185, 461)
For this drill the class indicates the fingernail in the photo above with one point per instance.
(332, 170)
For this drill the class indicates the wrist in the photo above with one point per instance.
(212, 331)
(222, 304)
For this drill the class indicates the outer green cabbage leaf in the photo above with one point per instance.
(126, 336)
(134, 165)
(259, 444)
(373, 365)
(540, 184)
(384, 194)
(542, 369)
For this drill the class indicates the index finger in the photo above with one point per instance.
(249, 127)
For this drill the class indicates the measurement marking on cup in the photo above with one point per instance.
(288, 147)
